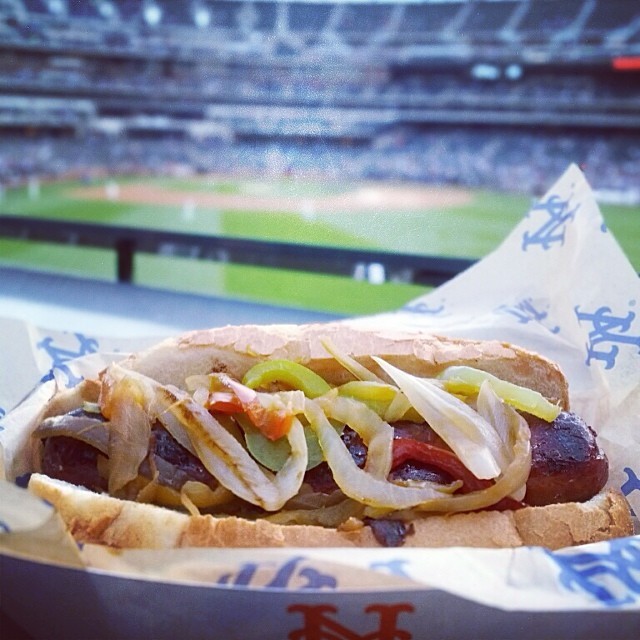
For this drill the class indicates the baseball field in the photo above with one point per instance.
(409, 218)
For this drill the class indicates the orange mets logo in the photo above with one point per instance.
(319, 623)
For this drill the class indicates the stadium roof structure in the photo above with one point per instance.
(544, 31)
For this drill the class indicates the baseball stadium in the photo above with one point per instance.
(416, 129)
(172, 166)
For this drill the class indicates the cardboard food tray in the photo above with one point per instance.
(52, 601)
(543, 289)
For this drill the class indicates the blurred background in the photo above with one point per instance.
(327, 157)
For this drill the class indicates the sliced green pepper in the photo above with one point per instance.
(292, 374)
(274, 453)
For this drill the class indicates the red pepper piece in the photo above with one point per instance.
(425, 453)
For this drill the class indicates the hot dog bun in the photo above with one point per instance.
(99, 518)
(234, 349)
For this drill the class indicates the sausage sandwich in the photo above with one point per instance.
(325, 435)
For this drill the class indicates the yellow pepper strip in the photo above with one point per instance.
(468, 380)
(379, 396)
(367, 390)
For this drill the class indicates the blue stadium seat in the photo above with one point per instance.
(36, 6)
(611, 14)
(546, 17)
(428, 19)
(82, 9)
(308, 17)
(223, 13)
(488, 18)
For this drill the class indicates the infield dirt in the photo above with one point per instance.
(362, 198)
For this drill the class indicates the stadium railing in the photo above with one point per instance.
(128, 241)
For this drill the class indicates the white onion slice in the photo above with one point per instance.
(506, 422)
(125, 402)
(473, 439)
(375, 432)
(510, 483)
(358, 371)
(358, 483)
(229, 462)
(492, 409)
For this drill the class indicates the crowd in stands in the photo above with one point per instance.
(513, 161)
(369, 85)
(267, 87)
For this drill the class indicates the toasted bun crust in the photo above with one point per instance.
(101, 519)
(106, 520)
(234, 349)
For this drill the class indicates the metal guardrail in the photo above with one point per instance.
(129, 241)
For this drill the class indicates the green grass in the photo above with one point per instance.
(469, 230)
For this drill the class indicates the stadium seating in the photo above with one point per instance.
(465, 91)
(480, 21)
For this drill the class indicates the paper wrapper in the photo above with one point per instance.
(558, 284)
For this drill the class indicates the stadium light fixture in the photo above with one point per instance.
(201, 17)
(485, 71)
(106, 9)
(513, 72)
(57, 7)
(152, 14)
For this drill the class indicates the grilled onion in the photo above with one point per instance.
(491, 440)
(360, 484)
(228, 461)
(125, 400)
(473, 439)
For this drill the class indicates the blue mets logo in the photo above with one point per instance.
(525, 311)
(423, 307)
(609, 331)
(394, 567)
(61, 355)
(612, 578)
(283, 577)
(552, 231)
(632, 483)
